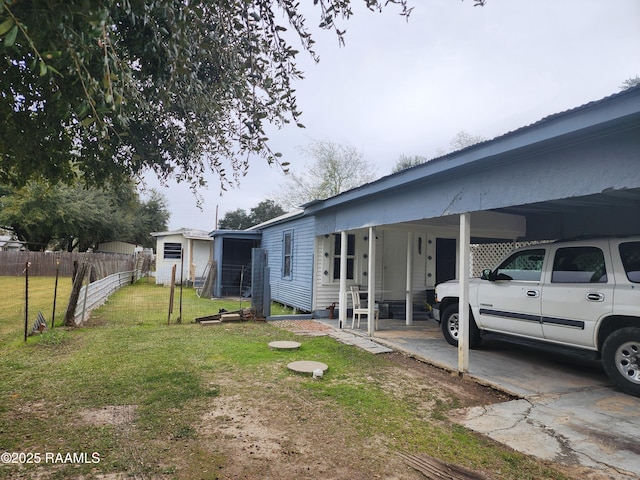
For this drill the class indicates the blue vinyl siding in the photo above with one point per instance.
(295, 290)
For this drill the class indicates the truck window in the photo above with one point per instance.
(630, 256)
(524, 266)
(579, 265)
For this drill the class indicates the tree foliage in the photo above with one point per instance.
(266, 210)
(103, 90)
(463, 140)
(630, 83)
(239, 219)
(405, 162)
(73, 217)
(334, 169)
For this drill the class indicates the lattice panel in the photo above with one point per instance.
(487, 255)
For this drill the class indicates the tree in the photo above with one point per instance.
(102, 90)
(73, 217)
(463, 140)
(335, 169)
(405, 162)
(266, 210)
(239, 219)
(151, 215)
(630, 83)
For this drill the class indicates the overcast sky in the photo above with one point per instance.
(406, 88)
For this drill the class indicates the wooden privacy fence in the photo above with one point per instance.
(44, 264)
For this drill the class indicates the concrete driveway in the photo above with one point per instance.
(566, 409)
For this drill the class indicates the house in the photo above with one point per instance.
(189, 250)
(9, 244)
(570, 174)
(305, 267)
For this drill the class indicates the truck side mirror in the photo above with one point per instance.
(486, 274)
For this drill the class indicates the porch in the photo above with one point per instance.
(517, 368)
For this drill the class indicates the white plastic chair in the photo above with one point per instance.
(359, 310)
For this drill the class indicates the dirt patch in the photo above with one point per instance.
(260, 428)
(109, 415)
(303, 327)
(302, 438)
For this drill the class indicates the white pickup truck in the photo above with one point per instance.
(583, 294)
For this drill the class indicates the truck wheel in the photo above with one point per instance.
(621, 359)
(450, 324)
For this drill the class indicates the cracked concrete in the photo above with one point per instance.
(563, 429)
(566, 410)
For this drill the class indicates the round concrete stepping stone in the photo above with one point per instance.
(284, 345)
(307, 366)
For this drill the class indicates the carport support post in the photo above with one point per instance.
(409, 292)
(371, 284)
(342, 296)
(463, 305)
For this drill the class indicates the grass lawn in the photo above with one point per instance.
(139, 397)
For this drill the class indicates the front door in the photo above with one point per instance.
(445, 259)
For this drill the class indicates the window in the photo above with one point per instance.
(287, 255)
(525, 265)
(630, 255)
(579, 265)
(173, 250)
(351, 256)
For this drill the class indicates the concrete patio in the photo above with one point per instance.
(566, 409)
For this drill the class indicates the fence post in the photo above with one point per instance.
(173, 288)
(55, 293)
(26, 300)
(86, 292)
(181, 283)
(69, 319)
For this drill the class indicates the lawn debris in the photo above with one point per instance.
(223, 315)
(40, 325)
(436, 469)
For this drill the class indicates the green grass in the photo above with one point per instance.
(40, 297)
(127, 355)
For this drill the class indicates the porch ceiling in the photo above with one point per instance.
(608, 213)
(612, 199)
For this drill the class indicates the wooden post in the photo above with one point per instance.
(26, 300)
(69, 319)
(55, 293)
(86, 292)
(179, 320)
(173, 289)
(463, 299)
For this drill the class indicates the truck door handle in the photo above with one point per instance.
(595, 297)
(533, 293)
